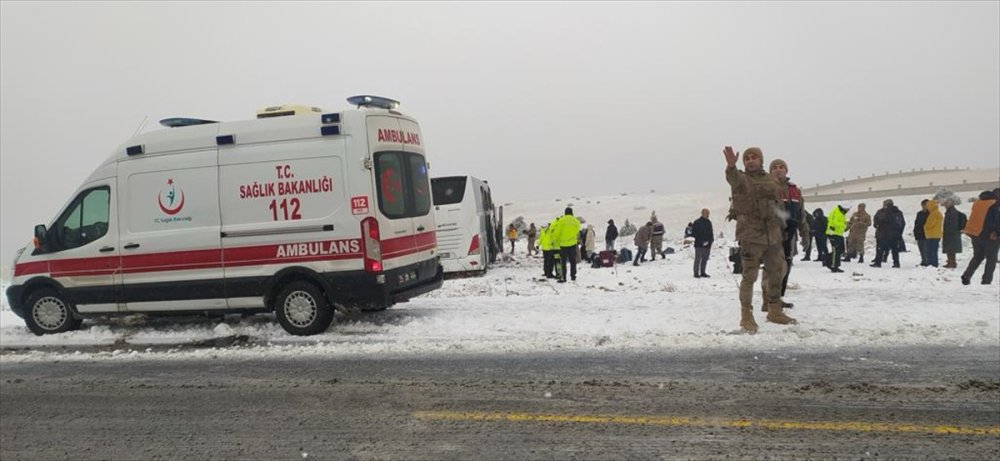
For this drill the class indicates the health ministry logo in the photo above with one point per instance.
(173, 203)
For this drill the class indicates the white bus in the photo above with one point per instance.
(467, 224)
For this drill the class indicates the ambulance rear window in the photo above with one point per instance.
(402, 184)
(448, 191)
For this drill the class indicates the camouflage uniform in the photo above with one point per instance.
(858, 226)
(759, 230)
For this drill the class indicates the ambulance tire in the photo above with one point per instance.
(49, 313)
(302, 309)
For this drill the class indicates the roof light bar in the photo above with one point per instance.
(367, 100)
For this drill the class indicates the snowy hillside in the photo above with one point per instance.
(657, 305)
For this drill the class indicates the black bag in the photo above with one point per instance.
(624, 255)
(734, 257)
(689, 230)
(595, 263)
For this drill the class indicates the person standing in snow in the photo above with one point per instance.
(889, 226)
(532, 233)
(656, 238)
(759, 230)
(566, 234)
(792, 205)
(984, 230)
(512, 236)
(951, 241)
(701, 230)
(641, 241)
(858, 226)
(610, 236)
(932, 232)
(807, 239)
(835, 232)
(548, 257)
(918, 232)
(589, 242)
(819, 231)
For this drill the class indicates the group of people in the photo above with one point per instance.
(768, 209)
(560, 245)
(649, 240)
(769, 212)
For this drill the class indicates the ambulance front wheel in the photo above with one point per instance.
(302, 309)
(49, 312)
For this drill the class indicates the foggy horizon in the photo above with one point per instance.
(540, 99)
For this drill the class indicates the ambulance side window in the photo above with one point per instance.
(403, 184)
(419, 185)
(84, 221)
(389, 176)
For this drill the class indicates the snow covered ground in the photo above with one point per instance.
(656, 306)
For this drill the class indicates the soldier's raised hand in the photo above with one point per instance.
(731, 156)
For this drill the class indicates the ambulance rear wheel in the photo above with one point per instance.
(302, 309)
(49, 312)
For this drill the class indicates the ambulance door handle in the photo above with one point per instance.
(131, 246)
(421, 228)
(106, 249)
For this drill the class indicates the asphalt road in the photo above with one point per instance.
(921, 403)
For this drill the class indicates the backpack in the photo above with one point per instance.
(625, 255)
(595, 262)
(962, 221)
(689, 230)
(658, 229)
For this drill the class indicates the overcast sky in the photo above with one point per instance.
(542, 100)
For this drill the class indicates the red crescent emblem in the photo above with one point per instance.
(170, 211)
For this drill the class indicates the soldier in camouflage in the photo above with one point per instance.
(760, 232)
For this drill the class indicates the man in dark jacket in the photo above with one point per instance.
(819, 232)
(702, 232)
(951, 241)
(610, 236)
(889, 225)
(918, 231)
(983, 227)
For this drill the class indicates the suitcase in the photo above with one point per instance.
(607, 258)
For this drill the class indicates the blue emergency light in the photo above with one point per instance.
(368, 100)
(177, 122)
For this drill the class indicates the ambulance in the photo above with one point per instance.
(299, 212)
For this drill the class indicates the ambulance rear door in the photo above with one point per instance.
(395, 208)
(424, 223)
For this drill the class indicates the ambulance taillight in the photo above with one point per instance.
(474, 246)
(372, 245)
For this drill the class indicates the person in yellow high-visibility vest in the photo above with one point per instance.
(565, 235)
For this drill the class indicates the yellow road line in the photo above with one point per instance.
(712, 422)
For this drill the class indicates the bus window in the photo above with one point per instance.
(448, 191)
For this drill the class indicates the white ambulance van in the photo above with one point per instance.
(297, 212)
(466, 224)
